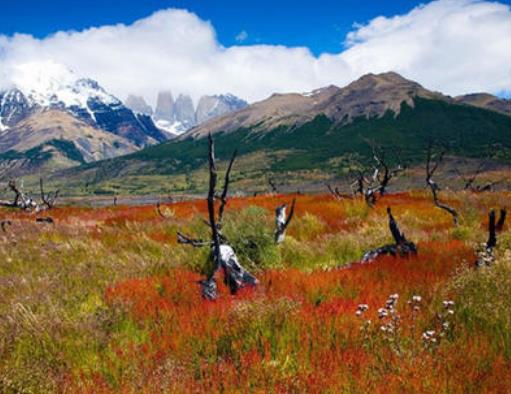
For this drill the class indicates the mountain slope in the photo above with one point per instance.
(370, 96)
(319, 148)
(299, 135)
(46, 125)
(487, 101)
(51, 140)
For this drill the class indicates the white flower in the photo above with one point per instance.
(417, 298)
(382, 312)
(448, 304)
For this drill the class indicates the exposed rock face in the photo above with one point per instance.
(184, 111)
(487, 101)
(370, 96)
(164, 107)
(138, 104)
(213, 106)
(81, 97)
(49, 125)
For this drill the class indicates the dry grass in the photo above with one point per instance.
(107, 301)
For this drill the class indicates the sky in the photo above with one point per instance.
(253, 49)
(321, 26)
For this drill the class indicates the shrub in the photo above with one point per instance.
(250, 233)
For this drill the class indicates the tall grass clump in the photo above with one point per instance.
(251, 234)
(484, 297)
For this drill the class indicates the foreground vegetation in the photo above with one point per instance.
(105, 300)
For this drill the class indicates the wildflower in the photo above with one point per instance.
(382, 312)
(429, 337)
(416, 298)
(448, 304)
(361, 309)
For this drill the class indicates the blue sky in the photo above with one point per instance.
(320, 25)
(145, 46)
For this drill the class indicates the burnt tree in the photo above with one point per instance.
(401, 246)
(223, 256)
(432, 162)
(282, 221)
(485, 254)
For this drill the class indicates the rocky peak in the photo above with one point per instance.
(184, 111)
(212, 106)
(138, 104)
(164, 106)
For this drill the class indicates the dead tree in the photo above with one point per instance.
(375, 186)
(432, 163)
(273, 186)
(21, 200)
(223, 255)
(468, 181)
(24, 202)
(48, 200)
(401, 247)
(485, 255)
(282, 222)
(336, 192)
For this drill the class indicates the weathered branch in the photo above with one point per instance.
(197, 243)
(282, 222)
(485, 255)
(431, 168)
(235, 276)
(401, 246)
(223, 197)
(48, 200)
(502, 219)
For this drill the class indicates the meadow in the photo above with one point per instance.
(105, 300)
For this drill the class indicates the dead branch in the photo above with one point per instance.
(160, 212)
(432, 164)
(48, 200)
(223, 197)
(469, 180)
(47, 219)
(196, 243)
(224, 257)
(273, 187)
(337, 194)
(4, 224)
(282, 222)
(401, 246)
(502, 218)
(21, 200)
(485, 255)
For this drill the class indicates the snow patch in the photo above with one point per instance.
(173, 128)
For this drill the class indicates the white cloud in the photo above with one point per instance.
(455, 46)
(241, 36)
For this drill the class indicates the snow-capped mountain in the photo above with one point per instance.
(179, 115)
(49, 85)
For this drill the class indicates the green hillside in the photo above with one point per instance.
(318, 147)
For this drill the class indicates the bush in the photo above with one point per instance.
(251, 234)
